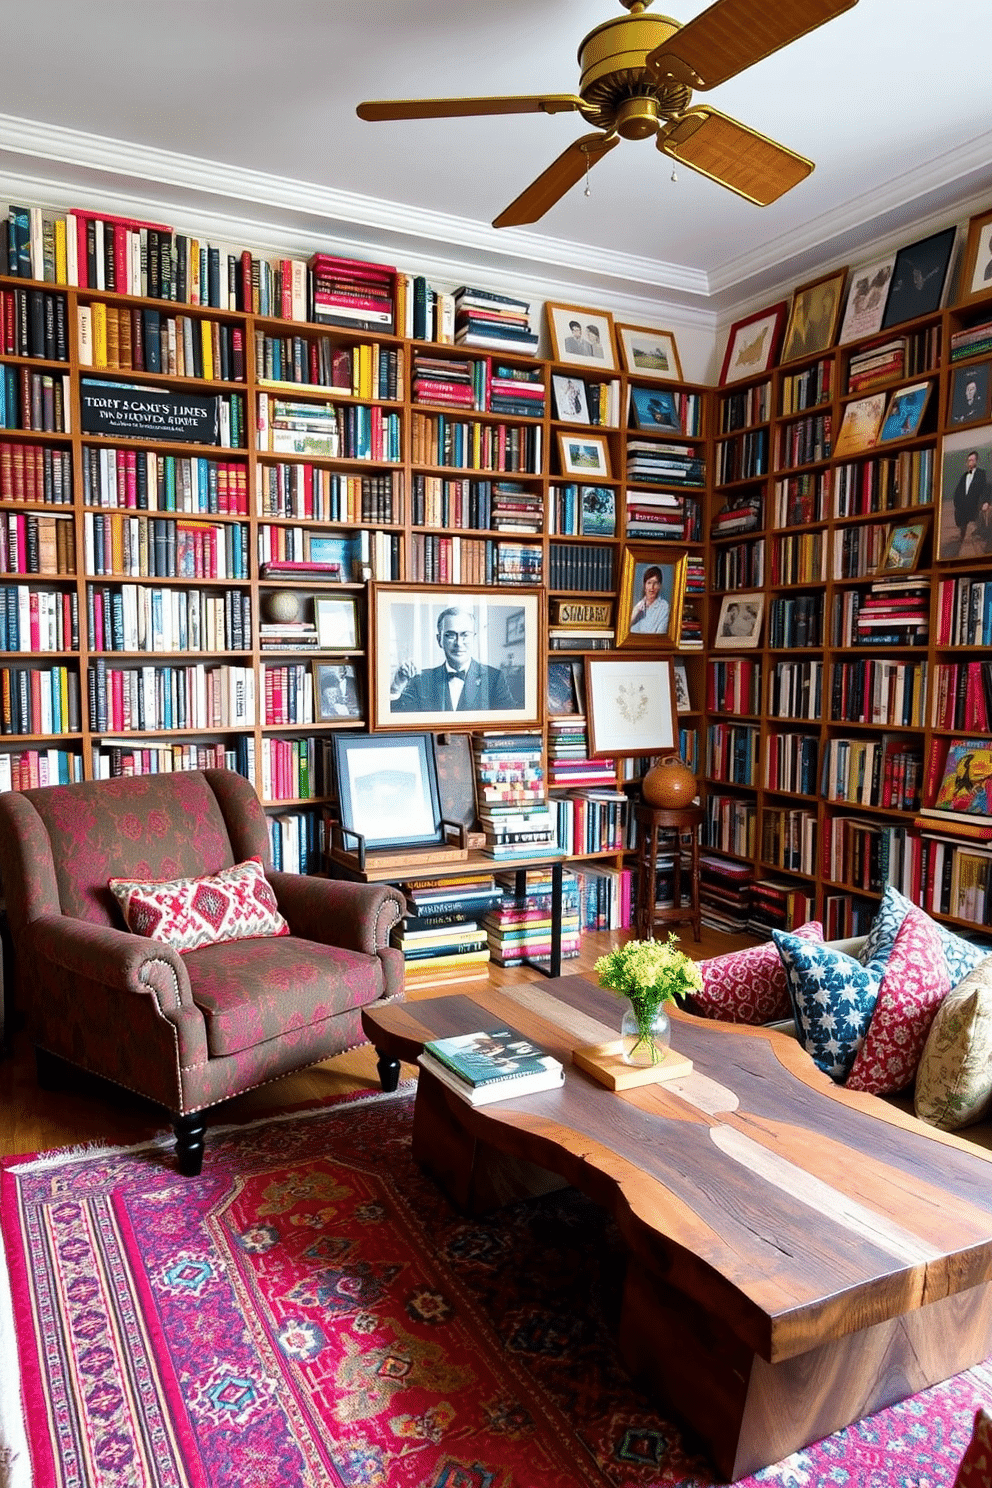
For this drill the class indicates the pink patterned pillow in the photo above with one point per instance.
(235, 904)
(748, 986)
(913, 987)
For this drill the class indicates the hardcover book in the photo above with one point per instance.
(496, 1064)
(966, 786)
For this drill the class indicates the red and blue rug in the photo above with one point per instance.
(311, 1312)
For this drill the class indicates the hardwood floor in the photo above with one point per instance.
(87, 1111)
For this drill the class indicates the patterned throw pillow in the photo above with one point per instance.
(975, 1470)
(954, 1078)
(961, 955)
(914, 984)
(833, 996)
(748, 986)
(235, 904)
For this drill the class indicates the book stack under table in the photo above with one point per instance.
(443, 938)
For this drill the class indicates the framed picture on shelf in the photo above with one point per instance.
(337, 623)
(654, 408)
(866, 297)
(335, 691)
(425, 636)
(597, 511)
(330, 549)
(860, 425)
(970, 394)
(903, 547)
(649, 353)
(582, 337)
(814, 316)
(964, 521)
(649, 609)
(919, 278)
(753, 344)
(631, 706)
(584, 455)
(387, 789)
(904, 414)
(571, 406)
(565, 688)
(739, 622)
(683, 699)
(976, 272)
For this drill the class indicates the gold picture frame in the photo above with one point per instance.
(652, 593)
(976, 268)
(903, 547)
(650, 353)
(814, 317)
(581, 337)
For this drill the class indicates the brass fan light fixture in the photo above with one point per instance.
(638, 73)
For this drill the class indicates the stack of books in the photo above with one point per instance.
(691, 632)
(491, 1066)
(514, 390)
(971, 342)
(517, 831)
(724, 893)
(606, 898)
(895, 612)
(517, 563)
(348, 292)
(509, 769)
(777, 906)
(289, 635)
(291, 427)
(497, 322)
(657, 463)
(519, 925)
(656, 514)
(515, 508)
(442, 938)
(881, 362)
(437, 380)
(569, 762)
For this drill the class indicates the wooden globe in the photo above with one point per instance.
(669, 784)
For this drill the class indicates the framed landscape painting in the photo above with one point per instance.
(753, 344)
(904, 546)
(648, 353)
(584, 455)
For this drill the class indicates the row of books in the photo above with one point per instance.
(808, 388)
(464, 560)
(582, 511)
(742, 408)
(879, 692)
(795, 689)
(733, 685)
(287, 695)
(804, 442)
(798, 558)
(739, 566)
(801, 499)
(732, 753)
(788, 838)
(439, 439)
(366, 370)
(885, 772)
(33, 323)
(439, 501)
(962, 695)
(858, 551)
(743, 458)
(143, 698)
(291, 770)
(791, 763)
(795, 622)
(163, 547)
(145, 480)
(132, 339)
(729, 824)
(591, 821)
(36, 401)
(39, 700)
(35, 473)
(38, 619)
(964, 611)
(478, 384)
(353, 431)
(583, 567)
(37, 543)
(299, 489)
(29, 769)
(135, 617)
(653, 462)
(882, 483)
(294, 841)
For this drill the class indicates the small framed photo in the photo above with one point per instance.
(683, 698)
(904, 414)
(335, 691)
(964, 522)
(655, 408)
(581, 337)
(919, 278)
(649, 610)
(649, 353)
(571, 406)
(860, 425)
(597, 511)
(739, 623)
(970, 394)
(976, 274)
(337, 624)
(387, 790)
(584, 455)
(753, 344)
(814, 316)
(565, 688)
(903, 547)
(867, 294)
(631, 706)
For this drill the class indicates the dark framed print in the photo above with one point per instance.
(753, 344)
(584, 455)
(919, 278)
(336, 691)
(976, 273)
(903, 547)
(581, 337)
(649, 353)
(904, 414)
(683, 698)
(970, 394)
(866, 297)
(597, 511)
(565, 683)
(654, 408)
(387, 790)
(814, 316)
(649, 610)
(964, 521)
(462, 657)
(571, 405)
(739, 622)
(631, 706)
(337, 623)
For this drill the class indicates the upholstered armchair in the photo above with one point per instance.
(186, 1029)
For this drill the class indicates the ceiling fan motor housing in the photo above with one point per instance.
(620, 91)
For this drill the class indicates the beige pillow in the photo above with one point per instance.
(954, 1078)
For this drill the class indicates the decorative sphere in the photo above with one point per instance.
(669, 784)
(281, 606)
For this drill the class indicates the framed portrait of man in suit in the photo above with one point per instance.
(456, 658)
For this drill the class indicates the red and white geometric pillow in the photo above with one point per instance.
(235, 904)
(915, 983)
(748, 986)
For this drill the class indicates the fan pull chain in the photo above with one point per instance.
(674, 174)
(587, 192)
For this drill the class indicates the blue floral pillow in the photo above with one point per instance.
(961, 955)
(833, 998)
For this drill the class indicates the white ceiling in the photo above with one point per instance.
(893, 101)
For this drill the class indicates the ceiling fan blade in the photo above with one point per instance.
(451, 108)
(559, 177)
(734, 34)
(733, 155)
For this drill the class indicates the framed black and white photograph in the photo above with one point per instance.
(581, 337)
(597, 511)
(970, 394)
(337, 623)
(571, 405)
(584, 455)
(649, 353)
(335, 691)
(976, 275)
(814, 316)
(649, 609)
(964, 521)
(387, 790)
(655, 408)
(631, 706)
(904, 414)
(866, 297)
(919, 278)
(739, 623)
(472, 652)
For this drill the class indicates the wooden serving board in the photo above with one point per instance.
(605, 1062)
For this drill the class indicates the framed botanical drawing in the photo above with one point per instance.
(649, 353)
(631, 706)
(903, 547)
(582, 337)
(739, 623)
(919, 278)
(970, 394)
(649, 610)
(964, 521)
(904, 414)
(753, 343)
(814, 316)
(584, 455)
(388, 790)
(867, 294)
(976, 272)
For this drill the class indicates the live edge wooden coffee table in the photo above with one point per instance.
(799, 1255)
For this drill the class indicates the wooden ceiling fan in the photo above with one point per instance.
(638, 73)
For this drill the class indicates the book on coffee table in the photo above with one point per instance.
(483, 1067)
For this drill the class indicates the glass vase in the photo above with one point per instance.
(645, 1040)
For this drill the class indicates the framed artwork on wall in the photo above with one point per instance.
(584, 455)
(904, 546)
(814, 316)
(904, 414)
(581, 337)
(336, 691)
(964, 519)
(649, 353)
(739, 622)
(919, 278)
(753, 343)
(976, 271)
(970, 394)
(631, 706)
(867, 294)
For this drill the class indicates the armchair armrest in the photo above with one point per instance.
(333, 911)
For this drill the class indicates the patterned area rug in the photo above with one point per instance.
(311, 1312)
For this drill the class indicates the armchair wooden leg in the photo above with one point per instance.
(190, 1132)
(389, 1071)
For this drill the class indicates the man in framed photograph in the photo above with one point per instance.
(460, 683)
(971, 502)
(575, 342)
(970, 395)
